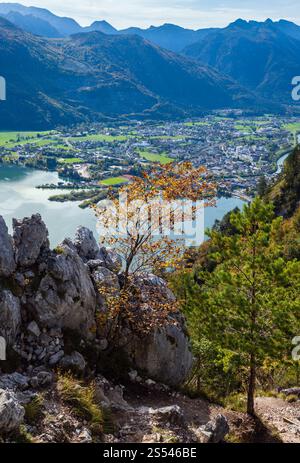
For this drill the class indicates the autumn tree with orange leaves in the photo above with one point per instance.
(143, 221)
(152, 209)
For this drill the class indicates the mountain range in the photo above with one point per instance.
(40, 21)
(93, 76)
(58, 72)
(263, 57)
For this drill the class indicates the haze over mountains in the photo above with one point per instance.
(42, 22)
(263, 57)
(58, 72)
(94, 76)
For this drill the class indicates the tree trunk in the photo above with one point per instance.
(251, 387)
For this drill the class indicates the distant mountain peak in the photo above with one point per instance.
(64, 26)
(261, 56)
(101, 26)
(171, 26)
(239, 23)
(284, 21)
(245, 25)
(94, 76)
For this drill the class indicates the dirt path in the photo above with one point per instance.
(281, 416)
(277, 420)
(197, 412)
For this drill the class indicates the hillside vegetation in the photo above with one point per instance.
(285, 193)
(240, 293)
(94, 76)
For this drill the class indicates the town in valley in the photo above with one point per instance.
(236, 150)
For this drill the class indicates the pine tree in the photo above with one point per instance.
(249, 305)
(262, 186)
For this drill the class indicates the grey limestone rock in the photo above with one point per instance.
(215, 430)
(66, 296)
(11, 412)
(74, 362)
(10, 317)
(7, 261)
(164, 354)
(30, 238)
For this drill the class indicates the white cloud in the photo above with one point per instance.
(187, 13)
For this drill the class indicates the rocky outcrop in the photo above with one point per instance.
(66, 296)
(164, 354)
(215, 430)
(20, 383)
(14, 382)
(33, 329)
(108, 395)
(74, 363)
(86, 244)
(291, 391)
(171, 414)
(7, 261)
(112, 260)
(55, 318)
(104, 278)
(47, 348)
(10, 317)
(149, 285)
(64, 292)
(11, 412)
(30, 238)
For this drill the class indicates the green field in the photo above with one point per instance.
(99, 137)
(261, 122)
(294, 129)
(40, 142)
(243, 128)
(200, 124)
(113, 181)
(11, 139)
(167, 137)
(221, 118)
(251, 123)
(161, 158)
(60, 146)
(251, 138)
(70, 160)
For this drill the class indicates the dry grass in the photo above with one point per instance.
(33, 410)
(82, 400)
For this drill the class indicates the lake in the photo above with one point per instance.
(19, 198)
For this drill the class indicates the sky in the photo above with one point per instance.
(194, 14)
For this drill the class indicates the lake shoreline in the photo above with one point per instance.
(20, 197)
